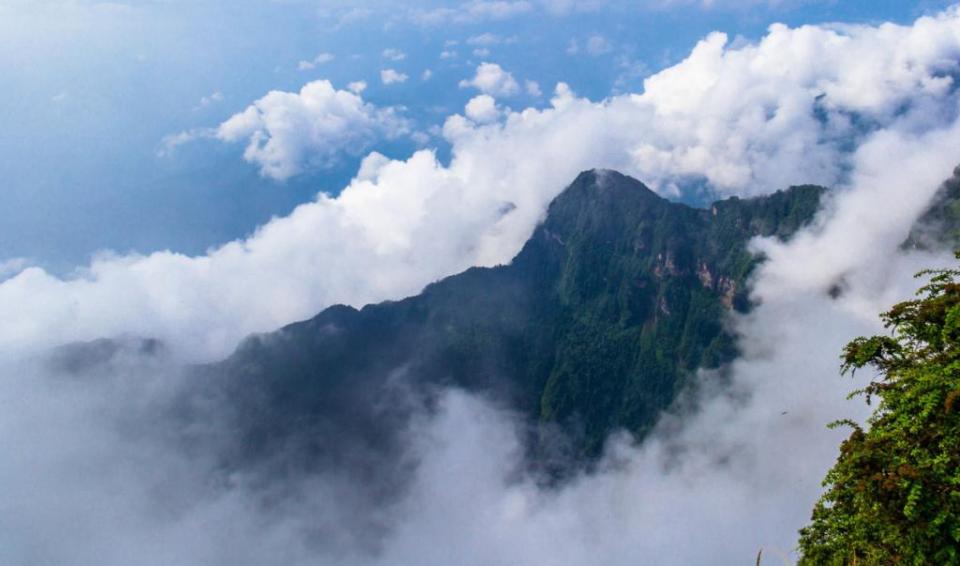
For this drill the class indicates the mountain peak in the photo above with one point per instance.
(617, 298)
(604, 185)
(600, 202)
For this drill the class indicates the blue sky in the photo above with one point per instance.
(90, 90)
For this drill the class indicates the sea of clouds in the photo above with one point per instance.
(90, 475)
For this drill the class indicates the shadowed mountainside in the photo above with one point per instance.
(939, 226)
(614, 302)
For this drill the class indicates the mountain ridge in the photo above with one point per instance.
(617, 298)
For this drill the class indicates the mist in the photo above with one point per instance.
(103, 467)
(103, 470)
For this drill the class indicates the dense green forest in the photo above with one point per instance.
(893, 496)
(616, 300)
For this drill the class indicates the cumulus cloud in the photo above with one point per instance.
(744, 120)
(13, 266)
(482, 109)
(492, 79)
(288, 131)
(391, 76)
(871, 110)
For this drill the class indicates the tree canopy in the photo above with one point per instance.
(893, 496)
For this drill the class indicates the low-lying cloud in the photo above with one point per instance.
(100, 477)
(98, 472)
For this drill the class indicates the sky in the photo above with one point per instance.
(195, 172)
(92, 90)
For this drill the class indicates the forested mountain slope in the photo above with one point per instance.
(614, 302)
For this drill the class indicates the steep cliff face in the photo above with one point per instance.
(613, 303)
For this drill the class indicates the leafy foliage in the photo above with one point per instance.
(893, 496)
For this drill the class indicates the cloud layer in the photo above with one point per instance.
(95, 476)
(742, 120)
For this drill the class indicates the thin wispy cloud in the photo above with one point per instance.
(320, 59)
(392, 76)
(472, 12)
(393, 54)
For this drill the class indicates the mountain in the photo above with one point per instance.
(939, 226)
(618, 297)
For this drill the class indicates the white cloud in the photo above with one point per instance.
(497, 9)
(595, 45)
(448, 54)
(726, 5)
(170, 143)
(598, 45)
(345, 16)
(357, 87)
(711, 487)
(713, 484)
(484, 39)
(482, 109)
(13, 266)
(394, 54)
(420, 138)
(211, 99)
(472, 12)
(288, 131)
(320, 59)
(481, 52)
(533, 88)
(564, 7)
(491, 78)
(391, 76)
(745, 120)
(426, 75)
(487, 39)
